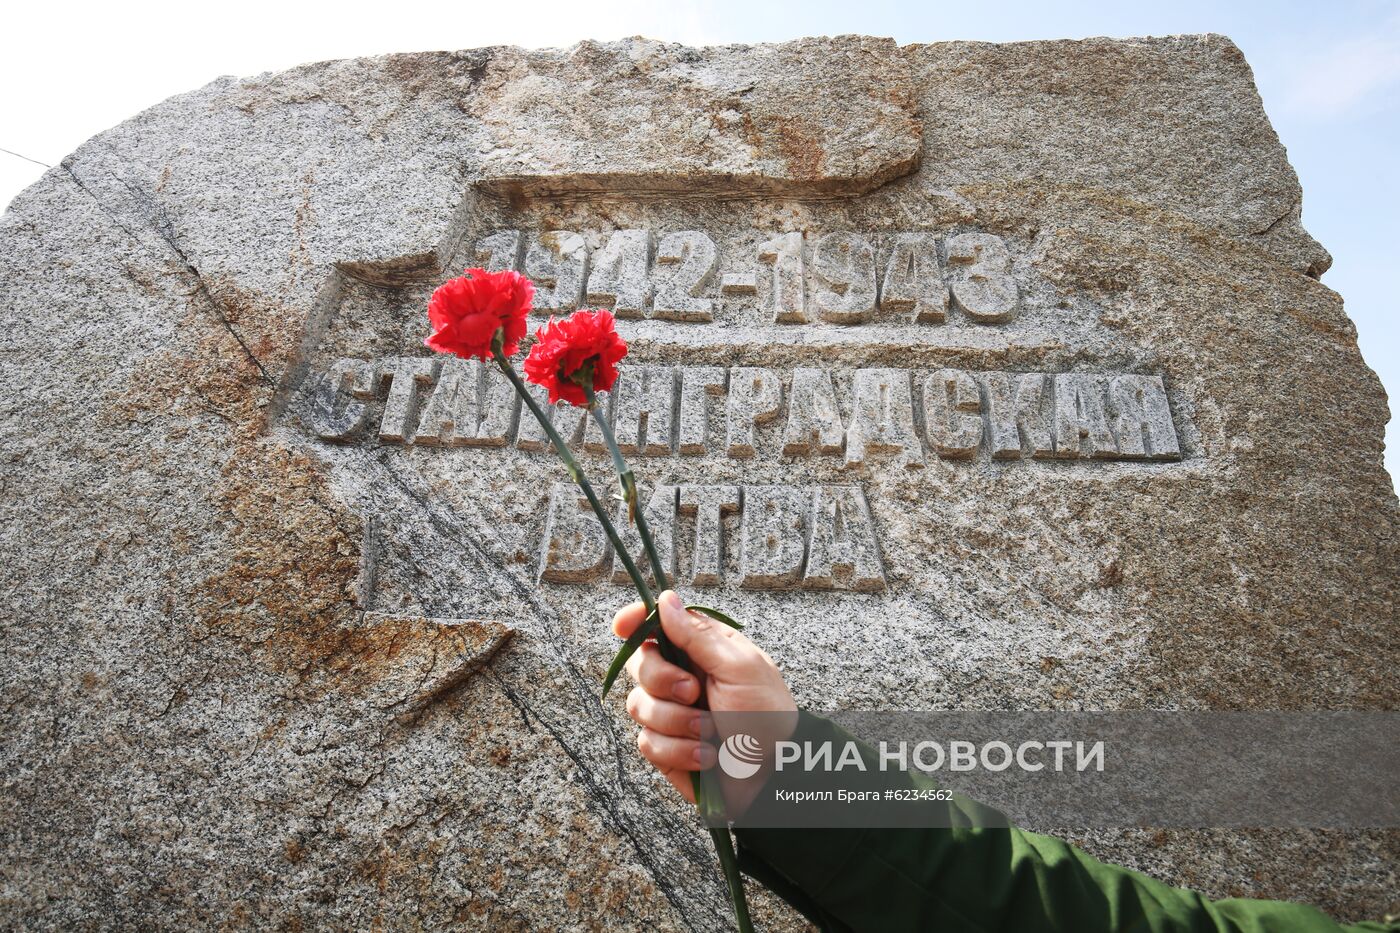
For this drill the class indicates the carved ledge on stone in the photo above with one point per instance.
(404, 664)
(815, 118)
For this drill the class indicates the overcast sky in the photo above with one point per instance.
(1329, 75)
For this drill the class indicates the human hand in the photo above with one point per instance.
(738, 678)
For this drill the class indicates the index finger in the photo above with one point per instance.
(628, 618)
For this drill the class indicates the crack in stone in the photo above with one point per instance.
(598, 795)
(524, 592)
(164, 228)
(1280, 219)
(685, 842)
(67, 166)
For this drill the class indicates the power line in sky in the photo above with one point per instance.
(24, 157)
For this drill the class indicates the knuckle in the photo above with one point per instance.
(655, 748)
(755, 657)
(754, 663)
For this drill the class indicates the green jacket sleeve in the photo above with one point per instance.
(985, 881)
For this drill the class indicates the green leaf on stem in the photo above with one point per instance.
(644, 631)
(716, 615)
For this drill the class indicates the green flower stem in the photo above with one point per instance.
(576, 474)
(629, 493)
(629, 490)
(729, 862)
(708, 796)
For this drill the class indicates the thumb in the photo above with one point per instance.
(713, 647)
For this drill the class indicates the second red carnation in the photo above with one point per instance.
(563, 349)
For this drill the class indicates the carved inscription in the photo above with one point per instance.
(660, 511)
(773, 536)
(841, 424)
(574, 548)
(843, 268)
(339, 406)
(914, 279)
(982, 284)
(786, 297)
(699, 384)
(708, 505)
(882, 419)
(842, 554)
(843, 277)
(878, 418)
(1015, 415)
(953, 413)
(813, 537)
(755, 397)
(557, 262)
(499, 251)
(814, 424)
(685, 269)
(404, 375)
(642, 410)
(619, 278)
(453, 409)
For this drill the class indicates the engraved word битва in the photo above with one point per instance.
(813, 537)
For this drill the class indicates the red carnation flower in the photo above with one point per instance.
(562, 351)
(466, 312)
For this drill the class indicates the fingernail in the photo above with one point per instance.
(704, 756)
(696, 725)
(681, 690)
(671, 599)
